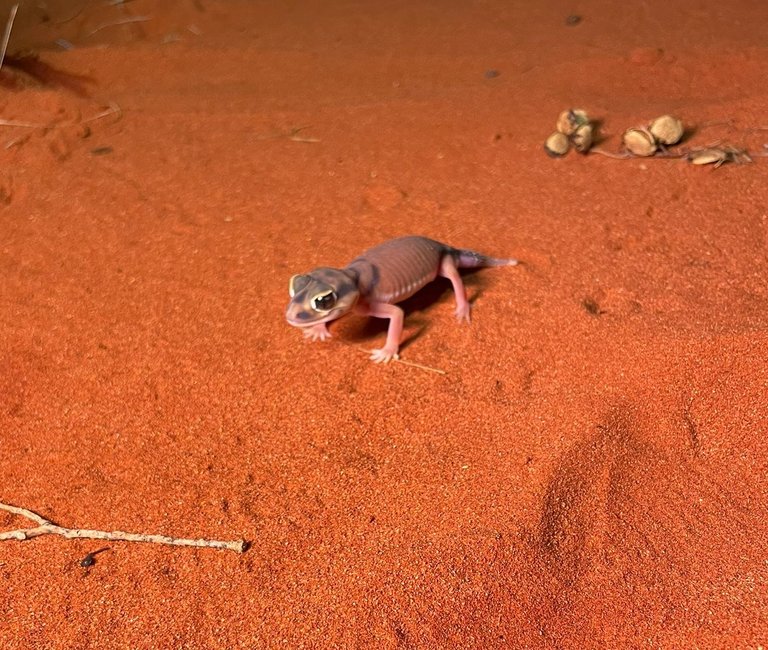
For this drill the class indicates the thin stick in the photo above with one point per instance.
(27, 125)
(47, 527)
(293, 135)
(124, 21)
(666, 153)
(7, 34)
(420, 366)
(610, 154)
(112, 110)
(707, 125)
(403, 361)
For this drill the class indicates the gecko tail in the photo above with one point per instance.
(466, 259)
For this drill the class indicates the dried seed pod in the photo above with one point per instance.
(714, 157)
(639, 141)
(570, 120)
(667, 129)
(582, 138)
(557, 145)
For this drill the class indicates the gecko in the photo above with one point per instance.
(373, 282)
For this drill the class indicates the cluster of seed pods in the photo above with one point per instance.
(667, 130)
(574, 129)
(647, 140)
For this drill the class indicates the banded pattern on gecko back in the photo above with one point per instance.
(395, 270)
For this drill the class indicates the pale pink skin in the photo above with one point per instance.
(391, 272)
(396, 315)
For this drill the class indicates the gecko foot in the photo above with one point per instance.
(317, 332)
(384, 355)
(462, 313)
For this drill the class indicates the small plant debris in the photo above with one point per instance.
(573, 128)
(657, 139)
(90, 559)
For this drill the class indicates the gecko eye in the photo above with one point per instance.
(324, 301)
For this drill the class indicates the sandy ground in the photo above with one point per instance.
(590, 472)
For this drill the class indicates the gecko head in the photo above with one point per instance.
(320, 296)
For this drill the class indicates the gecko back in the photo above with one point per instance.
(398, 268)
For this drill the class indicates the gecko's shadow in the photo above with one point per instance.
(44, 74)
(426, 298)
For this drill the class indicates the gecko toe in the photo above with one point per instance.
(383, 356)
(463, 314)
(317, 333)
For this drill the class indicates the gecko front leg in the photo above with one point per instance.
(394, 332)
(317, 332)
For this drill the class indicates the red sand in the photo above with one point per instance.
(592, 470)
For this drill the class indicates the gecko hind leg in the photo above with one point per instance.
(448, 270)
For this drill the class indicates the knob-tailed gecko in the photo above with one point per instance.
(372, 283)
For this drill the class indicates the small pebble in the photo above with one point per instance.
(591, 306)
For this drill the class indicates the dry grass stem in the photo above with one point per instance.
(397, 359)
(26, 125)
(113, 109)
(293, 135)
(116, 23)
(420, 366)
(46, 527)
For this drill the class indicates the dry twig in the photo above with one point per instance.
(7, 34)
(46, 527)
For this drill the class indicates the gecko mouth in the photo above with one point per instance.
(311, 323)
